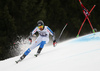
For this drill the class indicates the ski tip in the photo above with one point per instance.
(66, 23)
(94, 5)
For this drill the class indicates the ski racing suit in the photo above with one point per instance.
(42, 39)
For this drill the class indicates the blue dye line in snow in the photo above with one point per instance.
(90, 37)
(83, 53)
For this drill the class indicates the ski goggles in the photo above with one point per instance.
(40, 26)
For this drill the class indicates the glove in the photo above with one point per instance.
(30, 40)
(54, 43)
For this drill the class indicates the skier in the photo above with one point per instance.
(41, 40)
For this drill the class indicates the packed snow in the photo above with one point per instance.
(76, 54)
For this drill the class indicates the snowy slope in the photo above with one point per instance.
(77, 54)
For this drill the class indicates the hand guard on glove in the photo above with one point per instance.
(30, 39)
(54, 43)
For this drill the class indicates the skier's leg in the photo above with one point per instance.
(39, 50)
(41, 46)
(33, 45)
(25, 54)
(45, 40)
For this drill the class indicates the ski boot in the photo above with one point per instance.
(21, 58)
(38, 52)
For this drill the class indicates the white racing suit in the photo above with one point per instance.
(42, 39)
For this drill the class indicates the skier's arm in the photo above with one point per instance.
(34, 31)
(51, 32)
(53, 36)
(32, 34)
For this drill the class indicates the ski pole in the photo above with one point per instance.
(61, 32)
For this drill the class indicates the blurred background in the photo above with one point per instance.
(19, 17)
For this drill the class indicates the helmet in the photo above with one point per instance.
(40, 22)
